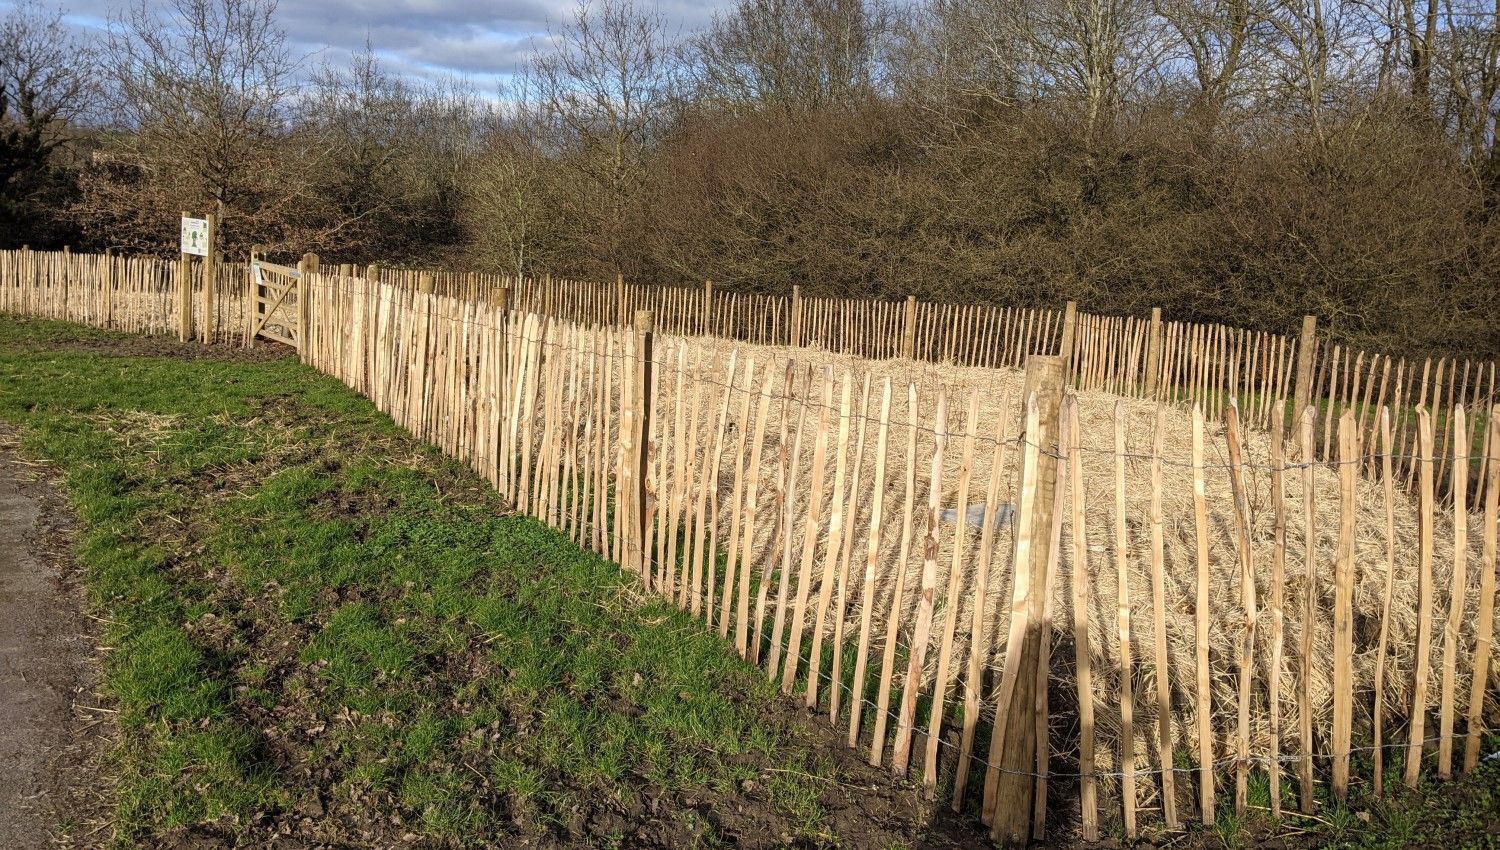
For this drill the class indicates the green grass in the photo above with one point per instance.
(308, 611)
(311, 617)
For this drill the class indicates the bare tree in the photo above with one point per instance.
(1467, 66)
(790, 54)
(205, 90)
(603, 94)
(46, 84)
(1085, 55)
(1217, 38)
(514, 197)
(391, 158)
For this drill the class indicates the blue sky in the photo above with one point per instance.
(483, 40)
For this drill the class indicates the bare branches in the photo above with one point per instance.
(792, 55)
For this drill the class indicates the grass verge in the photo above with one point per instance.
(318, 627)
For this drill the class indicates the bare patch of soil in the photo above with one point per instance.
(264, 351)
(55, 728)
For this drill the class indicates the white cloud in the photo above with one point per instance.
(485, 40)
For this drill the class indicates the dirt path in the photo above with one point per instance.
(53, 730)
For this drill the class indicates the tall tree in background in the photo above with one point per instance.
(389, 176)
(603, 94)
(204, 91)
(45, 85)
(789, 55)
(515, 197)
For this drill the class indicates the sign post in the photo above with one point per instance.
(192, 238)
(195, 235)
(199, 239)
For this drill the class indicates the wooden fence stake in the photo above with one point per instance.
(952, 600)
(1309, 616)
(1278, 601)
(1343, 606)
(909, 329)
(209, 324)
(893, 617)
(1388, 482)
(1486, 622)
(645, 330)
(1014, 789)
(1416, 731)
(1307, 349)
(872, 556)
(1202, 615)
(1069, 328)
(1247, 600)
(794, 328)
(1122, 626)
(911, 687)
(1457, 593)
(1082, 587)
(978, 646)
(1164, 748)
(1153, 354)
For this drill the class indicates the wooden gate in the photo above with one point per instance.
(274, 293)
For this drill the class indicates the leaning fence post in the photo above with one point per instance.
(909, 329)
(1307, 349)
(1011, 805)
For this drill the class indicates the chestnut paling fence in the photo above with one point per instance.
(1016, 588)
(1184, 363)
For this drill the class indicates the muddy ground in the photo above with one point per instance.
(54, 726)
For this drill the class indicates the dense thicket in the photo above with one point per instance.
(1235, 160)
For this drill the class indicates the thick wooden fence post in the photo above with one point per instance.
(1018, 717)
(372, 272)
(109, 287)
(207, 326)
(794, 329)
(184, 295)
(909, 329)
(706, 326)
(645, 329)
(1065, 345)
(1153, 353)
(425, 283)
(252, 295)
(306, 268)
(1307, 349)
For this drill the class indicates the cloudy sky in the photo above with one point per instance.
(480, 39)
